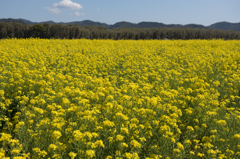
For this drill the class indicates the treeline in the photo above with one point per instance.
(60, 31)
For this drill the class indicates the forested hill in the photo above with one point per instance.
(219, 25)
(123, 30)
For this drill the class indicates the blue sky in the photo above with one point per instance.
(203, 12)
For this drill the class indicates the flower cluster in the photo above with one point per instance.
(119, 99)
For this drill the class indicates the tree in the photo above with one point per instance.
(47, 33)
(3, 30)
(10, 30)
(37, 30)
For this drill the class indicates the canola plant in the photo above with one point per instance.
(107, 99)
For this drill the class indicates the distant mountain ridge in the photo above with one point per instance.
(219, 25)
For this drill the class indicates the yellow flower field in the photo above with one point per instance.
(119, 99)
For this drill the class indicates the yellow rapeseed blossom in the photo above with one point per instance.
(72, 155)
(200, 154)
(52, 147)
(180, 146)
(190, 128)
(5, 137)
(221, 122)
(84, 98)
(56, 134)
(15, 151)
(98, 143)
(124, 144)
(2, 153)
(78, 135)
(90, 153)
(236, 136)
(135, 144)
(119, 138)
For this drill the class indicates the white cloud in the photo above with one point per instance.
(53, 10)
(67, 4)
(78, 14)
(98, 9)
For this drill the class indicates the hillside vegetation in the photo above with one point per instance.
(74, 31)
